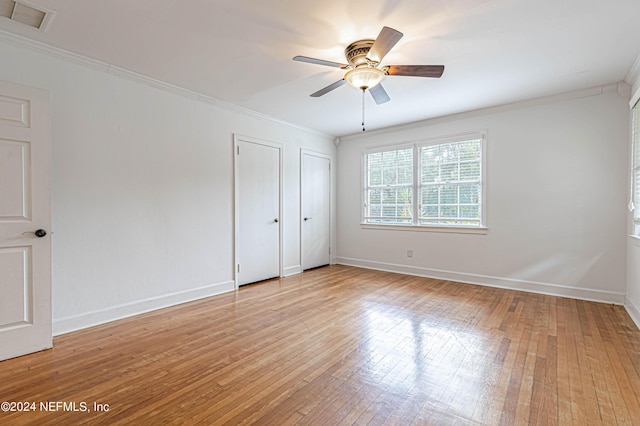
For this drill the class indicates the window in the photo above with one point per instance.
(389, 192)
(432, 184)
(634, 202)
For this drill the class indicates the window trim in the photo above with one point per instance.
(415, 145)
(634, 201)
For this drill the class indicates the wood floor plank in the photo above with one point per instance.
(343, 345)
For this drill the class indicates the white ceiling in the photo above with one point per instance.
(495, 51)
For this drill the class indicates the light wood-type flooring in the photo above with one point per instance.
(341, 345)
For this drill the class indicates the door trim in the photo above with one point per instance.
(303, 152)
(237, 138)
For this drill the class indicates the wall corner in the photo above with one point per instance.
(633, 311)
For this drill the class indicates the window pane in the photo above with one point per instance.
(469, 212)
(430, 173)
(449, 172)
(449, 194)
(449, 152)
(457, 167)
(431, 195)
(429, 212)
(396, 167)
(449, 211)
(470, 171)
(374, 167)
(389, 211)
(375, 196)
(469, 194)
(469, 150)
(389, 195)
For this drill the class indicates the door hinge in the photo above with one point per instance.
(238, 268)
(238, 149)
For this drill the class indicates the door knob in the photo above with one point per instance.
(307, 218)
(275, 220)
(38, 233)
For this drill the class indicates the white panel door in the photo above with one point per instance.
(316, 209)
(25, 258)
(257, 211)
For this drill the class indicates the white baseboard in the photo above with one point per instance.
(507, 283)
(633, 310)
(292, 270)
(89, 319)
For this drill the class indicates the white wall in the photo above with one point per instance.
(142, 188)
(556, 194)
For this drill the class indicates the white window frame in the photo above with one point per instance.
(364, 186)
(634, 196)
(415, 226)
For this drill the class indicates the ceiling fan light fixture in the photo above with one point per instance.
(364, 77)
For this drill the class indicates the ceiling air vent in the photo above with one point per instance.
(25, 13)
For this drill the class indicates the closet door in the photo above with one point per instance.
(316, 209)
(258, 224)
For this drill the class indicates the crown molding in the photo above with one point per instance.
(123, 73)
(576, 94)
(633, 76)
(633, 79)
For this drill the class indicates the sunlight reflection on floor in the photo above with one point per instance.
(409, 355)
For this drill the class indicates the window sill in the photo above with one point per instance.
(635, 239)
(423, 228)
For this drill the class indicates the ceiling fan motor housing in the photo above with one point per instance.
(356, 53)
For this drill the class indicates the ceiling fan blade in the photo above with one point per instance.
(387, 38)
(319, 62)
(328, 89)
(379, 94)
(416, 70)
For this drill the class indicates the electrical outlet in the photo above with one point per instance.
(409, 253)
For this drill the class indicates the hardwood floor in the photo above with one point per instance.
(342, 345)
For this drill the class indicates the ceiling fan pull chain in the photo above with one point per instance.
(363, 89)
